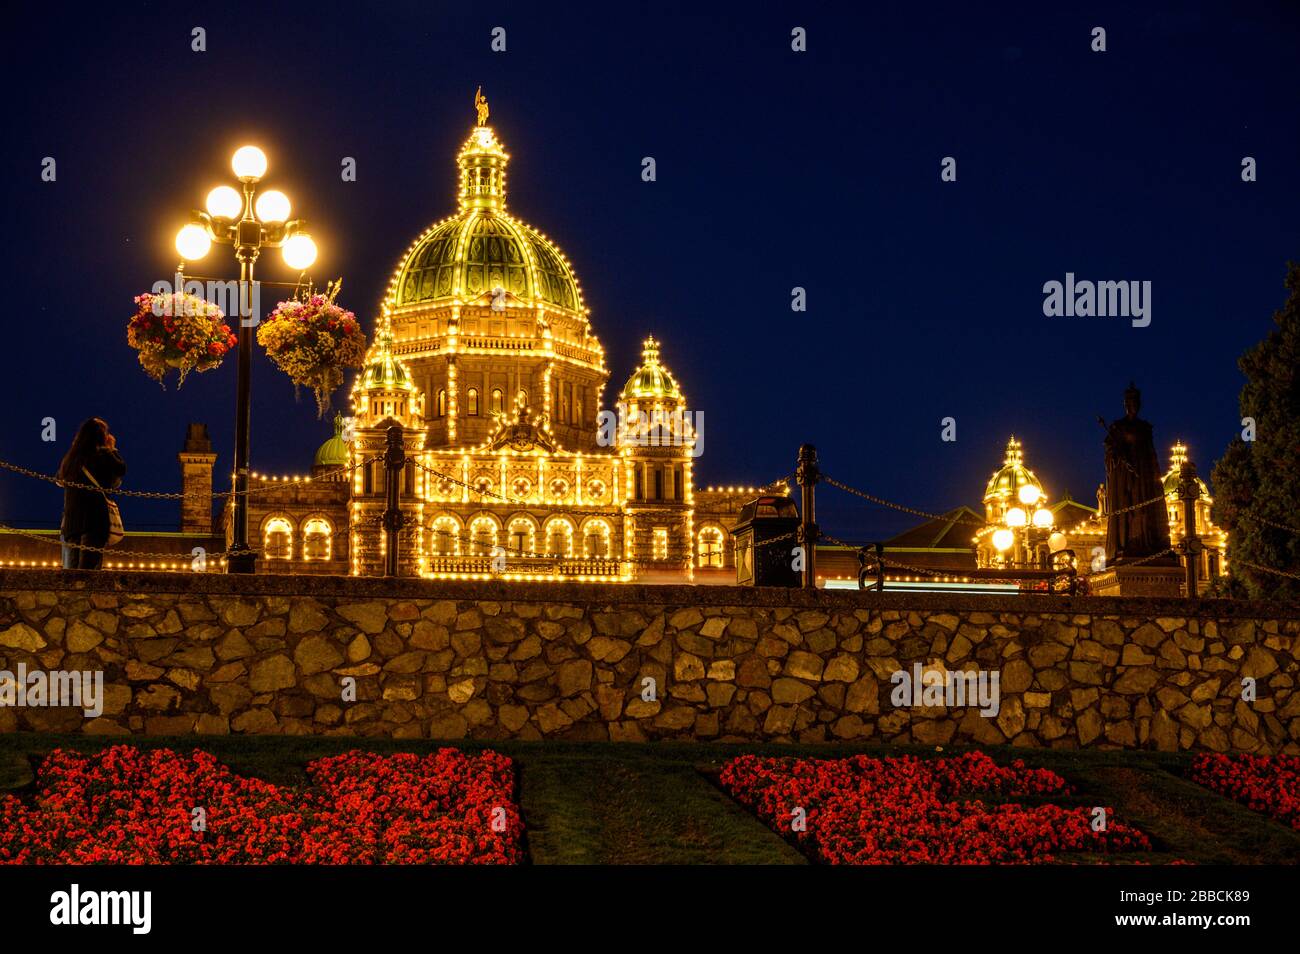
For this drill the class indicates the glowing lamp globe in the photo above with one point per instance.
(193, 242)
(1029, 495)
(249, 162)
(1056, 542)
(272, 206)
(299, 252)
(1042, 517)
(1016, 517)
(224, 203)
(1003, 539)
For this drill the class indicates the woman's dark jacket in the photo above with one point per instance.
(86, 511)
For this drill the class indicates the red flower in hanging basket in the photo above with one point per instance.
(192, 335)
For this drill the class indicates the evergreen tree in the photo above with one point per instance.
(1257, 483)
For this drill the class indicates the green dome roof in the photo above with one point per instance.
(479, 251)
(482, 247)
(652, 380)
(383, 371)
(1013, 475)
(334, 452)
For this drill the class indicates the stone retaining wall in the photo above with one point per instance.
(215, 654)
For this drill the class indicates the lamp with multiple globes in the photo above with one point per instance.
(1022, 527)
(249, 222)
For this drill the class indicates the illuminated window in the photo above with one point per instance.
(483, 535)
(523, 537)
(559, 487)
(442, 403)
(522, 398)
(317, 538)
(471, 402)
(595, 489)
(709, 547)
(498, 401)
(446, 536)
(521, 486)
(278, 539)
(559, 538)
(660, 551)
(596, 537)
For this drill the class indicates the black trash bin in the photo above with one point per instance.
(763, 519)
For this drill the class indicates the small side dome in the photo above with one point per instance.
(383, 371)
(1006, 483)
(334, 452)
(651, 381)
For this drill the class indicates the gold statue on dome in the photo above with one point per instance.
(481, 104)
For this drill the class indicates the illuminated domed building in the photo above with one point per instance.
(485, 355)
(1017, 514)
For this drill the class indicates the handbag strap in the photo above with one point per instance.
(86, 471)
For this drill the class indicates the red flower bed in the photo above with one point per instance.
(127, 806)
(863, 811)
(1265, 783)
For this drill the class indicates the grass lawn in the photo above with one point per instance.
(615, 803)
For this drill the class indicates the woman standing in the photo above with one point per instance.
(85, 510)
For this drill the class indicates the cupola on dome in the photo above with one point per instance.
(651, 381)
(482, 248)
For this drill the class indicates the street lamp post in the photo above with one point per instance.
(1020, 525)
(249, 223)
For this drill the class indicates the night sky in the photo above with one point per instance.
(775, 169)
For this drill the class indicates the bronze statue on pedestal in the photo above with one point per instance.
(1133, 477)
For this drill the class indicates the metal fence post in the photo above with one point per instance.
(807, 474)
(394, 462)
(1189, 491)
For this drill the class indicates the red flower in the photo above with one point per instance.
(125, 806)
(1265, 783)
(905, 810)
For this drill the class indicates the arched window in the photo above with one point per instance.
(442, 402)
(522, 537)
(317, 539)
(596, 537)
(471, 402)
(277, 539)
(559, 538)
(498, 401)
(709, 547)
(445, 532)
(483, 535)
(522, 398)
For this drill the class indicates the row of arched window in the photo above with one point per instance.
(521, 536)
(278, 542)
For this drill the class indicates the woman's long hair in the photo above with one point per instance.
(90, 437)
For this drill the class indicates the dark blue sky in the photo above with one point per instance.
(775, 169)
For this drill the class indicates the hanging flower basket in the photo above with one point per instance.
(178, 331)
(313, 340)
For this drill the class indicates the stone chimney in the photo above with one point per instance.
(197, 460)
